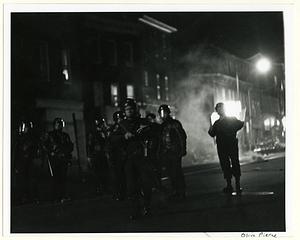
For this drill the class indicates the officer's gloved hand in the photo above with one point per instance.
(141, 128)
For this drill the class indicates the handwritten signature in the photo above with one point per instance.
(261, 234)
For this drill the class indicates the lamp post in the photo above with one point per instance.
(263, 65)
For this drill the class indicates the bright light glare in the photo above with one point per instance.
(267, 122)
(65, 72)
(263, 65)
(233, 108)
(214, 117)
(283, 122)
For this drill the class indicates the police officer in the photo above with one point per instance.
(116, 158)
(172, 149)
(59, 150)
(137, 170)
(225, 129)
(96, 147)
(152, 147)
(24, 164)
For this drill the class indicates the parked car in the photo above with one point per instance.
(268, 147)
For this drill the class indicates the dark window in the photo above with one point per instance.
(109, 51)
(99, 58)
(44, 62)
(128, 54)
(146, 79)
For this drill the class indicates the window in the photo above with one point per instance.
(146, 79)
(158, 87)
(247, 127)
(223, 93)
(167, 88)
(66, 66)
(128, 54)
(114, 94)
(130, 91)
(269, 123)
(44, 62)
(99, 49)
(110, 52)
(164, 41)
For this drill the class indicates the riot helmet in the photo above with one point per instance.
(164, 111)
(25, 126)
(99, 121)
(151, 117)
(118, 115)
(58, 124)
(129, 102)
(130, 108)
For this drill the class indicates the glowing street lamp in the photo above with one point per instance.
(263, 65)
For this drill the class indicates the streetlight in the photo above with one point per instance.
(263, 65)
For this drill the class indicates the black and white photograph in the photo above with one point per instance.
(146, 120)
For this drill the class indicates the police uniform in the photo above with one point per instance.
(59, 148)
(152, 144)
(172, 149)
(25, 167)
(96, 154)
(116, 159)
(138, 172)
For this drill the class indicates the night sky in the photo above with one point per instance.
(241, 33)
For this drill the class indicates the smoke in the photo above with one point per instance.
(194, 114)
(194, 101)
(196, 73)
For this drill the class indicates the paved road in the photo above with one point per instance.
(260, 208)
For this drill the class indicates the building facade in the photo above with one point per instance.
(209, 75)
(81, 65)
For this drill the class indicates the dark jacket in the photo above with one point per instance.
(225, 129)
(58, 144)
(153, 140)
(26, 150)
(96, 143)
(135, 145)
(173, 137)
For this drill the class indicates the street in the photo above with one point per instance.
(206, 209)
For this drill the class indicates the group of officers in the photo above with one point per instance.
(126, 158)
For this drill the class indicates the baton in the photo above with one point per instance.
(50, 168)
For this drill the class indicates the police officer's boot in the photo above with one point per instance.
(146, 209)
(238, 186)
(135, 208)
(228, 189)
